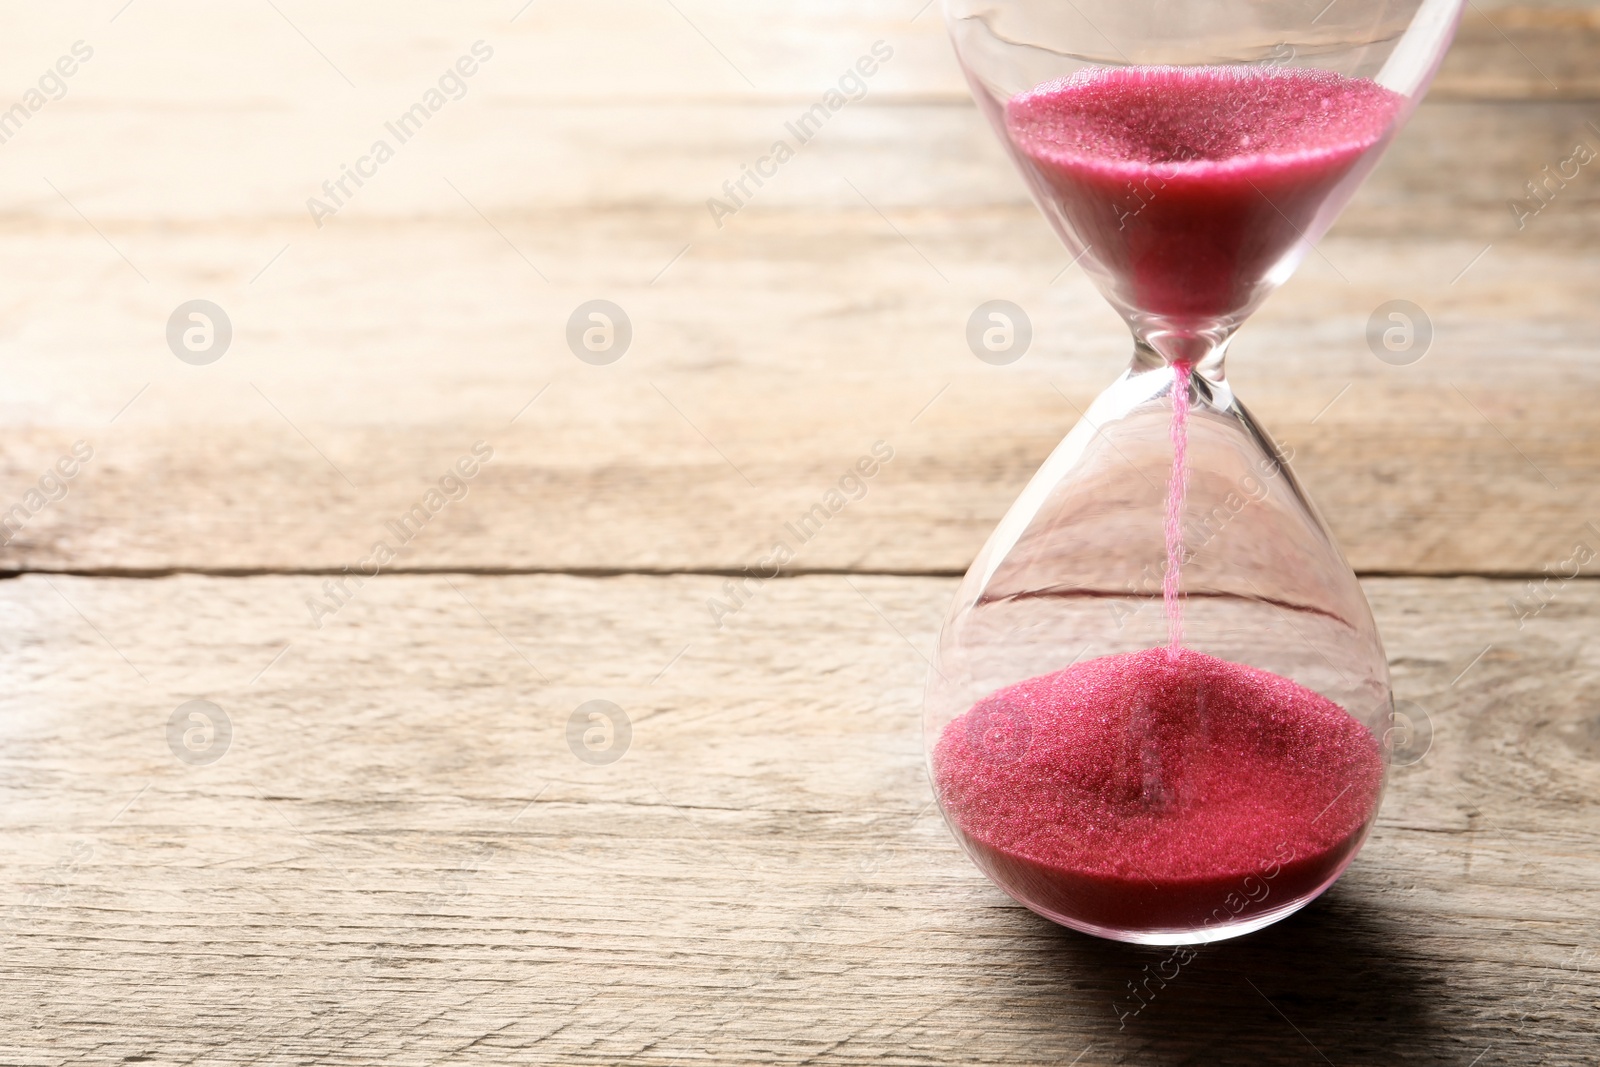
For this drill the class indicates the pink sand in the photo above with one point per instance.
(1167, 790)
(1177, 493)
(1147, 791)
(1191, 183)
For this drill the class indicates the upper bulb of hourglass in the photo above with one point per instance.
(1188, 154)
(1190, 191)
(1159, 706)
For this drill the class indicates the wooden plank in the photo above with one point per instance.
(1522, 52)
(1456, 162)
(567, 110)
(771, 352)
(399, 858)
(825, 335)
(325, 64)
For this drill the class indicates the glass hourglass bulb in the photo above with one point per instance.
(1159, 707)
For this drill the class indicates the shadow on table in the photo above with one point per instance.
(1332, 983)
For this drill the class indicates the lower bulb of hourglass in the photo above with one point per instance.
(1164, 772)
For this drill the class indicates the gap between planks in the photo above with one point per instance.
(148, 573)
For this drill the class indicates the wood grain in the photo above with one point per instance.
(762, 371)
(769, 353)
(400, 860)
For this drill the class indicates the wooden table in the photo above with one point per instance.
(398, 857)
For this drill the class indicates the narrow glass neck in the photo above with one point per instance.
(1202, 351)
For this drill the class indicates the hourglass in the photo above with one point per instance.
(1159, 707)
